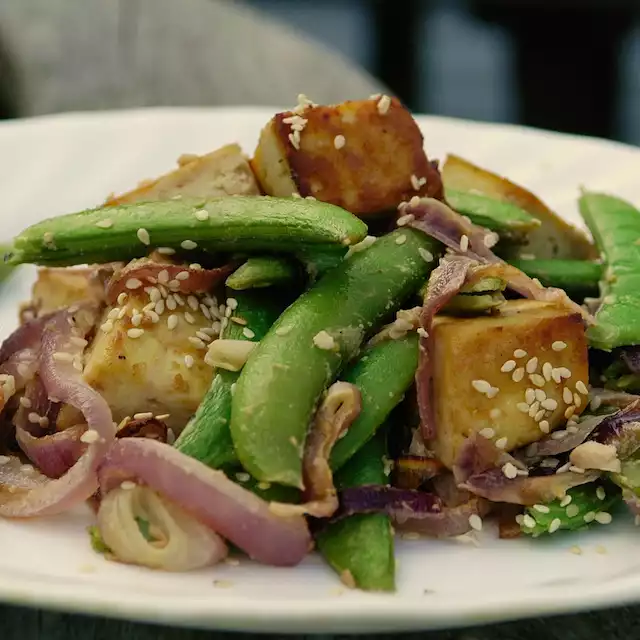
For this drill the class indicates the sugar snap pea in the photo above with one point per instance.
(206, 436)
(579, 278)
(5, 269)
(285, 375)
(503, 217)
(615, 226)
(262, 271)
(382, 373)
(360, 547)
(229, 224)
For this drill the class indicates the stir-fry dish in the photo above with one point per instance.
(327, 345)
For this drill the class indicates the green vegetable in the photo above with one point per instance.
(285, 375)
(500, 216)
(230, 224)
(96, 541)
(5, 269)
(262, 271)
(489, 284)
(615, 226)
(360, 547)
(629, 476)
(206, 436)
(318, 260)
(587, 501)
(383, 373)
(265, 490)
(579, 278)
(473, 305)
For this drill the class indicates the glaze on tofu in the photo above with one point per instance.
(513, 376)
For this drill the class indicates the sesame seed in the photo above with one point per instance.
(564, 468)
(555, 525)
(563, 372)
(159, 308)
(163, 276)
(43, 422)
(518, 374)
(493, 392)
(401, 239)
(596, 402)
(383, 105)
(569, 412)
(475, 522)
(324, 340)
(192, 301)
(582, 388)
(590, 516)
(232, 303)
(113, 314)
(4, 459)
(533, 409)
(426, 255)
(339, 141)
(603, 517)
(135, 333)
(205, 312)
(601, 493)
(188, 361)
(558, 435)
(61, 356)
(567, 396)
(495, 413)
(576, 469)
(577, 400)
(406, 219)
(122, 298)
(538, 417)
(174, 285)
(544, 426)
(205, 337)
(464, 243)
(136, 319)
(549, 404)
(537, 380)
(547, 370)
(542, 508)
(145, 415)
(201, 214)
(127, 485)
(133, 283)
(539, 395)
(247, 333)
(183, 275)
(481, 386)
(197, 342)
(566, 500)
(283, 331)
(90, 436)
(501, 443)
(508, 366)
(528, 521)
(559, 345)
(166, 251)
(522, 407)
(47, 238)
(189, 245)
(519, 353)
(422, 332)
(189, 318)
(576, 550)
(143, 236)
(107, 223)
(33, 417)
(78, 341)
(241, 476)
(171, 303)
(572, 510)
(106, 326)
(532, 365)
(509, 470)
(25, 402)
(487, 432)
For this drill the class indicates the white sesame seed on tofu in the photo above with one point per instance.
(501, 443)
(201, 214)
(544, 426)
(324, 340)
(539, 395)
(188, 361)
(172, 321)
(143, 236)
(464, 242)
(133, 283)
(135, 333)
(523, 407)
(519, 353)
(581, 387)
(188, 245)
(567, 396)
(549, 404)
(475, 522)
(383, 105)
(532, 365)
(555, 525)
(508, 366)
(559, 345)
(518, 374)
(537, 380)
(482, 386)
(339, 141)
(487, 433)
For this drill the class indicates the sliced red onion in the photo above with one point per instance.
(195, 280)
(64, 382)
(622, 430)
(549, 446)
(16, 478)
(340, 407)
(26, 336)
(144, 428)
(612, 398)
(36, 404)
(180, 542)
(230, 510)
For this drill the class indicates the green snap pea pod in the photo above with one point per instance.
(502, 217)
(5, 269)
(319, 260)
(360, 547)
(588, 503)
(579, 278)
(615, 226)
(382, 374)
(206, 436)
(285, 375)
(265, 490)
(230, 224)
(262, 271)
(473, 305)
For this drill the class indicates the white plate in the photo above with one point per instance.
(64, 163)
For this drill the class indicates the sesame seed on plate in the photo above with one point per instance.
(133, 283)
(143, 236)
(566, 500)
(172, 321)
(541, 508)
(188, 361)
(487, 432)
(532, 365)
(201, 214)
(559, 345)
(107, 223)
(519, 353)
(537, 380)
(135, 333)
(547, 370)
(582, 388)
(339, 141)
(509, 470)
(601, 493)
(544, 426)
(501, 443)
(518, 374)
(508, 366)
(189, 245)
(145, 415)
(603, 517)
(555, 525)
(475, 522)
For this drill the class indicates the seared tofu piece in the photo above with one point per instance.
(155, 367)
(58, 288)
(366, 156)
(516, 374)
(225, 172)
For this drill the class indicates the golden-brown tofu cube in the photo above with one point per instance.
(155, 366)
(366, 156)
(515, 374)
(58, 288)
(225, 172)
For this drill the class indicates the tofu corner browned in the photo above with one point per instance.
(224, 172)
(482, 380)
(60, 287)
(359, 155)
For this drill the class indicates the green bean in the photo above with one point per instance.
(502, 217)
(615, 225)
(285, 375)
(579, 278)
(360, 547)
(383, 373)
(587, 502)
(262, 271)
(230, 224)
(206, 436)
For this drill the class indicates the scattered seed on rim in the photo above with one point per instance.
(143, 236)
(519, 353)
(383, 105)
(189, 245)
(559, 345)
(508, 366)
(518, 374)
(135, 333)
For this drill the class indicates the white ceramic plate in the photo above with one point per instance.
(64, 163)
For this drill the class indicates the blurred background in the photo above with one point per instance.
(567, 65)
